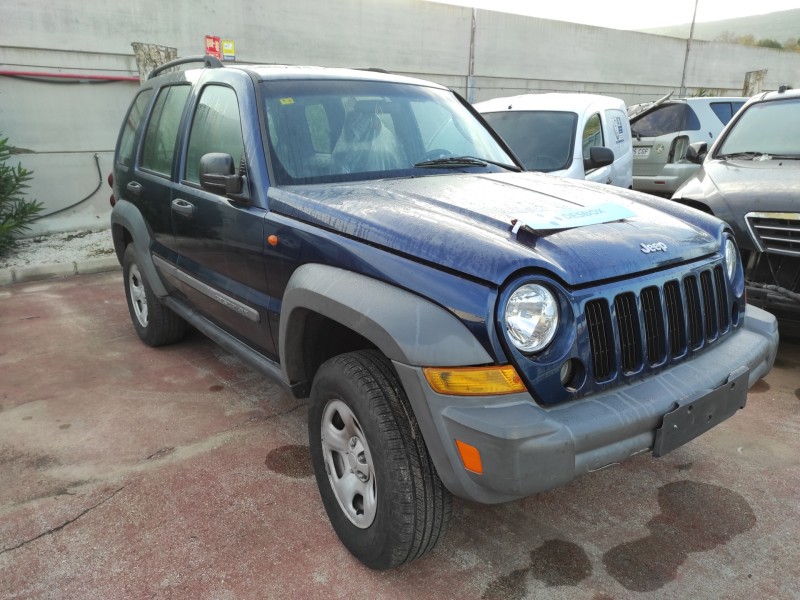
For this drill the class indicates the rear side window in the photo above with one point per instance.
(668, 118)
(132, 120)
(725, 110)
(216, 127)
(162, 130)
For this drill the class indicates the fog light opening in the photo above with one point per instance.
(572, 375)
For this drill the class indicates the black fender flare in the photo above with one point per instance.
(125, 214)
(405, 327)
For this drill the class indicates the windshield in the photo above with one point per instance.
(542, 140)
(765, 128)
(323, 130)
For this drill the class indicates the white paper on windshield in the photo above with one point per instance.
(550, 220)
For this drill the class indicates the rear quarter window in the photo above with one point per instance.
(129, 127)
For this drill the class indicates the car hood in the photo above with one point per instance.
(463, 222)
(756, 185)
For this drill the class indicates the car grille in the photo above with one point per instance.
(657, 324)
(778, 233)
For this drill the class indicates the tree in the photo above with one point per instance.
(16, 213)
(769, 43)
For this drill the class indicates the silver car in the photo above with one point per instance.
(663, 131)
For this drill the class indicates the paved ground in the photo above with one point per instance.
(129, 472)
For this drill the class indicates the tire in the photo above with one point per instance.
(156, 324)
(376, 479)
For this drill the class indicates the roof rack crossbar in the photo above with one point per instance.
(210, 62)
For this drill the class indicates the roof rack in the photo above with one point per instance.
(209, 62)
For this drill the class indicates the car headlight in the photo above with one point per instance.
(531, 317)
(731, 257)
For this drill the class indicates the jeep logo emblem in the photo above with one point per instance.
(657, 247)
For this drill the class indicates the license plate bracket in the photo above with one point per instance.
(695, 416)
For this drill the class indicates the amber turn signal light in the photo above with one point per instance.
(474, 381)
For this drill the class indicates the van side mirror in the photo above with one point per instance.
(218, 175)
(599, 156)
(696, 153)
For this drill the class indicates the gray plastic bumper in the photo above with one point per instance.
(526, 448)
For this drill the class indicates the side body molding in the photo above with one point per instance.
(407, 328)
(128, 216)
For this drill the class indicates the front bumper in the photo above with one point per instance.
(526, 448)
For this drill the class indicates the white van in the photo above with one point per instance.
(580, 136)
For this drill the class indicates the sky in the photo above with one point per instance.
(631, 14)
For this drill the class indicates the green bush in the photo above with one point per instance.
(16, 213)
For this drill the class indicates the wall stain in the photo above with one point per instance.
(695, 517)
(65, 426)
(216, 388)
(760, 387)
(291, 460)
(555, 563)
(797, 393)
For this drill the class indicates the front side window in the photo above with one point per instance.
(125, 155)
(592, 134)
(216, 127)
(766, 128)
(543, 140)
(158, 149)
(667, 118)
(325, 131)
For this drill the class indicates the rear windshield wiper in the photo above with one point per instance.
(463, 161)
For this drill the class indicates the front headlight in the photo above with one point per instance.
(731, 257)
(531, 317)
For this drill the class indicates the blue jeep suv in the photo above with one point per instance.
(459, 326)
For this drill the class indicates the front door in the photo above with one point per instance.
(219, 241)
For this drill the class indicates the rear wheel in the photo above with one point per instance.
(376, 479)
(156, 324)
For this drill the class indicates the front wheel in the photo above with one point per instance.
(376, 479)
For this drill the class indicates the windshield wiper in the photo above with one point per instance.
(749, 154)
(463, 161)
(785, 156)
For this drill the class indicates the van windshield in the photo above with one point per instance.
(322, 131)
(543, 140)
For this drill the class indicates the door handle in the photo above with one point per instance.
(183, 208)
(134, 187)
(608, 180)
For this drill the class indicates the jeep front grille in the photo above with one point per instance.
(778, 233)
(657, 324)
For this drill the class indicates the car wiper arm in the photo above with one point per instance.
(747, 154)
(463, 161)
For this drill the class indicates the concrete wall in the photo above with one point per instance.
(60, 127)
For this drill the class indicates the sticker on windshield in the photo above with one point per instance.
(286, 101)
(551, 220)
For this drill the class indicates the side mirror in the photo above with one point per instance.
(218, 175)
(696, 153)
(599, 156)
